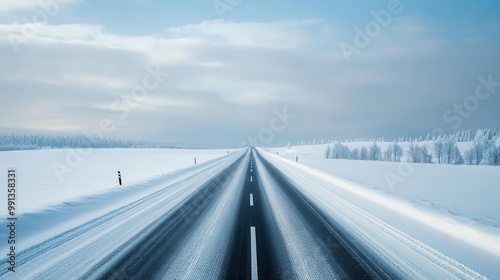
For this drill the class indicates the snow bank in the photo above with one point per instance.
(452, 208)
(40, 186)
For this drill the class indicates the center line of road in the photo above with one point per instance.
(251, 199)
(251, 178)
(255, 273)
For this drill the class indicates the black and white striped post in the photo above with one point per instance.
(194, 160)
(119, 178)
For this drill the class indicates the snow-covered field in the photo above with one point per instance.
(79, 222)
(49, 207)
(452, 208)
(404, 257)
(48, 177)
(457, 190)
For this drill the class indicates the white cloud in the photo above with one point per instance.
(222, 71)
(251, 34)
(87, 81)
(13, 5)
(172, 45)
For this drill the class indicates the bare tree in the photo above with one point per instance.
(470, 157)
(394, 152)
(438, 149)
(340, 151)
(328, 152)
(374, 153)
(451, 153)
(419, 154)
(355, 153)
(363, 154)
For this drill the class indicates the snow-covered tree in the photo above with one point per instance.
(484, 142)
(355, 154)
(412, 153)
(451, 153)
(394, 152)
(363, 154)
(457, 156)
(438, 149)
(428, 137)
(497, 156)
(375, 153)
(469, 157)
(419, 154)
(425, 156)
(492, 156)
(34, 141)
(340, 151)
(328, 152)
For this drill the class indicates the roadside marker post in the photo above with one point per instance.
(119, 178)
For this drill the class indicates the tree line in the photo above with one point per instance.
(483, 151)
(34, 141)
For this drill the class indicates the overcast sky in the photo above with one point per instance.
(340, 69)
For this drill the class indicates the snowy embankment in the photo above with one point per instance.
(48, 206)
(400, 255)
(454, 209)
(47, 177)
(102, 226)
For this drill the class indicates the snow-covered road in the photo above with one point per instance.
(247, 216)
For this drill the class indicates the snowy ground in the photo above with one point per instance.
(90, 228)
(457, 190)
(402, 256)
(452, 208)
(40, 186)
